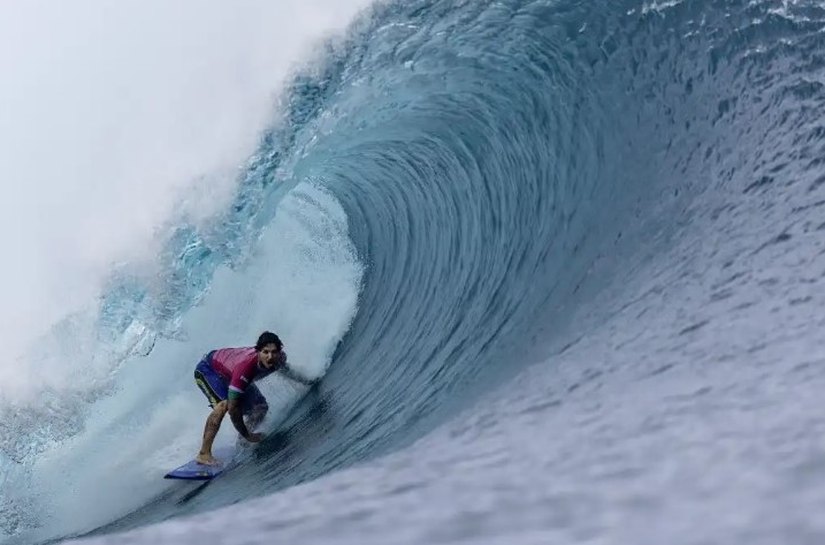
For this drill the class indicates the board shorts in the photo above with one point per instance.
(216, 388)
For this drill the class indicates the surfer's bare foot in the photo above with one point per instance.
(206, 459)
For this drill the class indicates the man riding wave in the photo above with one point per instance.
(226, 377)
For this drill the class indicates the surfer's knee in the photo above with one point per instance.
(257, 412)
(219, 410)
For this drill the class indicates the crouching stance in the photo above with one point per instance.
(226, 377)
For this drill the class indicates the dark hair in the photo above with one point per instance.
(267, 337)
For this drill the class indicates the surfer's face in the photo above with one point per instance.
(268, 355)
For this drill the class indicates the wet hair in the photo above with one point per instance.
(267, 337)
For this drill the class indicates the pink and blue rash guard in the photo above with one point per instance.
(239, 368)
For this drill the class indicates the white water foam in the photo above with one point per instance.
(120, 121)
(112, 115)
(302, 282)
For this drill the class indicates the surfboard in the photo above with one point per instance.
(194, 471)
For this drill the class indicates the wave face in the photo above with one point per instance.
(572, 253)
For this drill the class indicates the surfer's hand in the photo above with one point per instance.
(255, 437)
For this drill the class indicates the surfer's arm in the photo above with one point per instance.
(289, 373)
(236, 415)
(237, 389)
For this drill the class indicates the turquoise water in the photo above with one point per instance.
(569, 255)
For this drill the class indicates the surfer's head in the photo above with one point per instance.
(269, 348)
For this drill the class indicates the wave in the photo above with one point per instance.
(491, 171)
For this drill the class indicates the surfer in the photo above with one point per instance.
(226, 378)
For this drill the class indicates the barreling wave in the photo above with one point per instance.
(496, 162)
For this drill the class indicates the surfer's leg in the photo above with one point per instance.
(216, 390)
(213, 424)
(211, 384)
(255, 407)
(256, 416)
